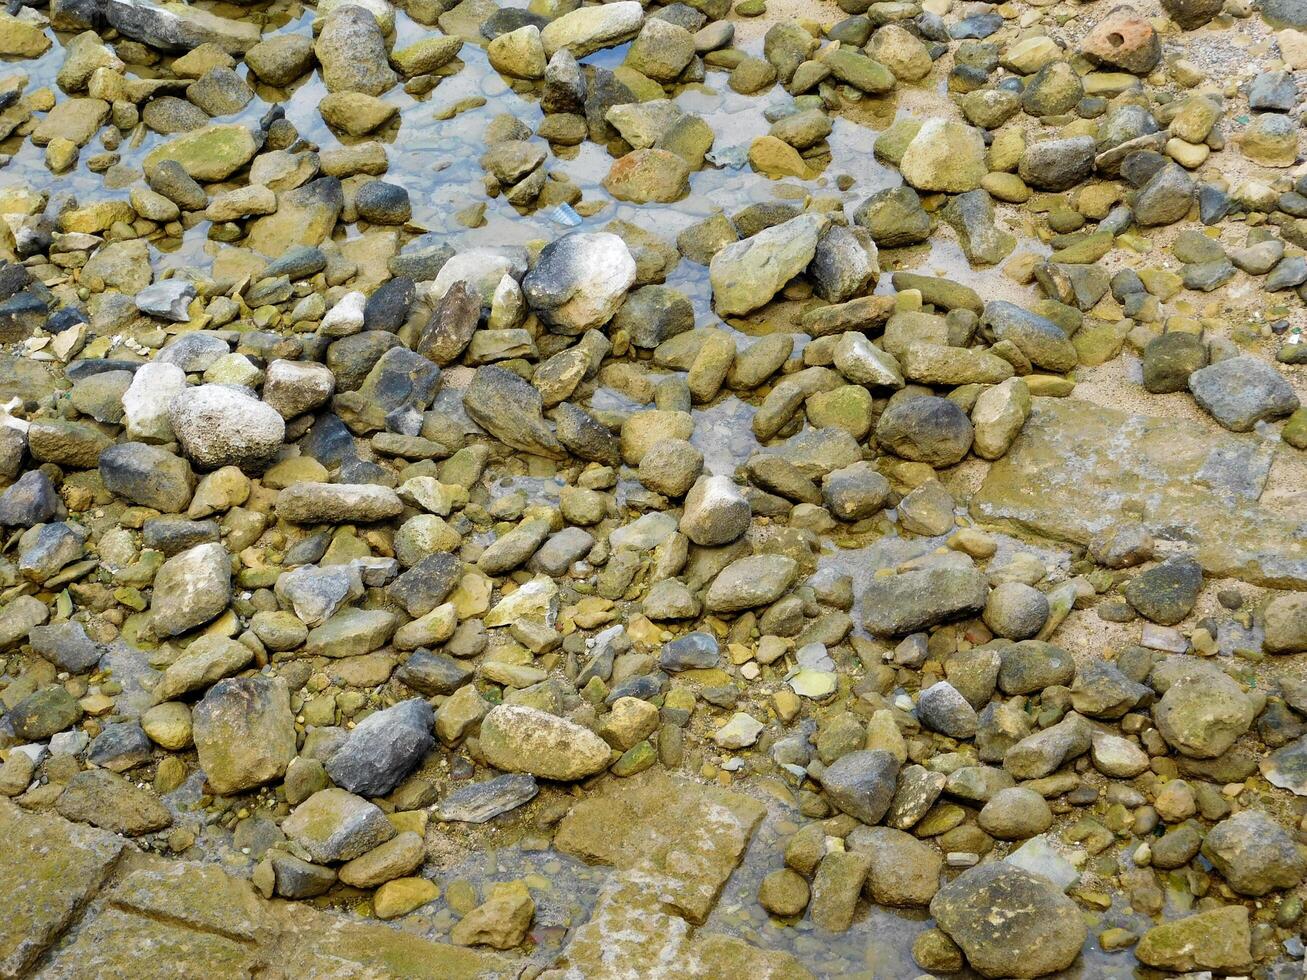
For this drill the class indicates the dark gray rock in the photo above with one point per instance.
(384, 748)
(1241, 391)
(862, 783)
(910, 601)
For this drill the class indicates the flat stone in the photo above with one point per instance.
(1073, 467)
(654, 823)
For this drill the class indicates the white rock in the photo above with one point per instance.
(147, 400)
(580, 280)
(863, 363)
(346, 317)
(221, 426)
(738, 733)
(296, 387)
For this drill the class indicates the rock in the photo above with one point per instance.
(219, 425)
(511, 410)
(587, 30)
(1241, 391)
(1166, 198)
(862, 783)
(399, 856)
(942, 709)
(337, 503)
(172, 28)
(296, 387)
(910, 601)
(715, 513)
(383, 748)
(207, 660)
(693, 651)
(244, 732)
(1044, 752)
(1217, 939)
(1015, 813)
(1202, 715)
(190, 589)
(32, 500)
(1041, 340)
(106, 800)
(1016, 611)
(1286, 624)
(904, 872)
(894, 217)
(352, 52)
(1254, 854)
(1123, 40)
(750, 582)
(486, 800)
(1270, 140)
(746, 275)
(1191, 14)
(45, 712)
(925, 429)
(209, 154)
(1170, 359)
(519, 53)
(1167, 592)
(65, 645)
(944, 156)
(784, 892)
(516, 738)
(334, 825)
(281, 59)
(501, 921)
(647, 176)
(1057, 164)
(1008, 922)
(579, 281)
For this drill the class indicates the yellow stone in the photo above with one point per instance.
(402, 896)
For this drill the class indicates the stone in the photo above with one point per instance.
(580, 280)
(746, 275)
(1202, 715)
(244, 732)
(1240, 391)
(587, 30)
(903, 871)
(1285, 619)
(486, 800)
(511, 410)
(1125, 40)
(337, 503)
(335, 825)
(1008, 922)
(715, 513)
(1217, 939)
(517, 738)
(944, 156)
(205, 662)
(219, 425)
(501, 921)
(649, 175)
(209, 154)
(749, 582)
(383, 748)
(1167, 592)
(106, 800)
(1254, 854)
(190, 589)
(910, 601)
(862, 783)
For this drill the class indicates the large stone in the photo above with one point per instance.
(337, 503)
(335, 825)
(579, 281)
(945, 156)
(106, 800)
(655, 824)
(586, 30)
(1241, 391)
(1254, 854)
(1217, 939)
(383, 748)
(925, 429)
(244, 732)
(190, 589)
(1074, 466)
(517, 738)
(179, 27)
(911, 601)
(213, 153)
(747, 583)
(218, 425)
(862, 783)
(49, 869)
(746, 275)
(1203, 714)
(1008, 922)
(511, 410)
(352, 52)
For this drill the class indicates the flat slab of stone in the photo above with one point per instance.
(49, 869)
(1076, 465)
(628, 935)
(689, 836)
